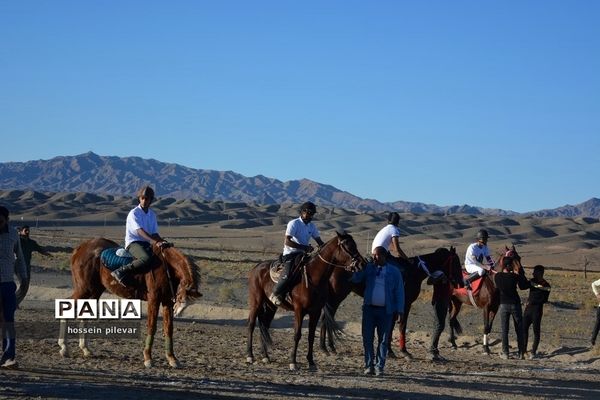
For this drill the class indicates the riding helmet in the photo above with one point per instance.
(482, 234)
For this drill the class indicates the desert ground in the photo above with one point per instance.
(210, 338)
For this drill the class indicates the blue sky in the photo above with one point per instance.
(487, 103)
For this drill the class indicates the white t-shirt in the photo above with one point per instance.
(476, 256)
(137, 219)
(300, 233)
(384, 237)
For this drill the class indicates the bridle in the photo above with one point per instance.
(356, 257)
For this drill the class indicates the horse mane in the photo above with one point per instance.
(187, 271)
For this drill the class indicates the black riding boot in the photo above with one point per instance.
(473, 276)
(120, 273)
(281, 286)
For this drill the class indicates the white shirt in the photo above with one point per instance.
(137, 219)
(384, 237)
(476, 256)
(596, 287)
(300, 233)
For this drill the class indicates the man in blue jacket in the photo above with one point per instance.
(384, 296)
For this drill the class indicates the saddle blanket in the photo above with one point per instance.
(115, 257)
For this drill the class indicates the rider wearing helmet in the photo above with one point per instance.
(387, 238)
(478, 260)
(298, 233)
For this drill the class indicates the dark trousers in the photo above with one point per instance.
(506, 312)
(9, 306)
(532, 316)
(440, 310)
(596, 326)
(281, 287)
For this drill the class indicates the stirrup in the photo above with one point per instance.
(275, 299)
(118, 277)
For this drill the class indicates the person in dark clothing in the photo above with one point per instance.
(510, 304)
(534, 310)
(440, 300)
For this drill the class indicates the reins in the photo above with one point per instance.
(173, 297)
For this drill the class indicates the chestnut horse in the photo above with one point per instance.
(445, 260)
(308, 295)
(487, 298)
(172, 280)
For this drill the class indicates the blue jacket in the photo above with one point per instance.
(394, 286)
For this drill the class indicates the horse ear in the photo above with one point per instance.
(338, 234)
(506, 247)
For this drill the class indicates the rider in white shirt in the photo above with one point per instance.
(141, 231)
(388, 237)
(298, 233)
(478, 261)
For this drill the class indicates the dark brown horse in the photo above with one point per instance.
(484, 296)
(308, 295)
(172, 280)
(442, 259)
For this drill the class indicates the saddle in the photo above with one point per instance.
(475, 285)
(277, 266)
(115, 257)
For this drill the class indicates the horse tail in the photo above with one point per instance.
(265, 335)
(333, 329)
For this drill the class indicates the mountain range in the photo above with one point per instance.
(122, 176)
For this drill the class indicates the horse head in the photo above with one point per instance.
(349, 252)
(186, 272)
(510, 259)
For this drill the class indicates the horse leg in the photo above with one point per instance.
(250, 333)
(62, 338)
(313, 319)
(327, 343)
(83, 342)
(265, 317)
(298, 317)
(151, 327)
(455, 327)
(168, 333)
(402, 340)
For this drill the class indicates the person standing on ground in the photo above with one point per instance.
(596, 290)
(534, 310)
(11, 262)
(28, 246)
(384, 297)
(510, 304)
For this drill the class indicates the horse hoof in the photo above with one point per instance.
(313, 367)
(148, 363)
(293, 367)
(174, 363)
(86, 352)
(266, 360)
(249, 360)
(64, 352)
(406, 355)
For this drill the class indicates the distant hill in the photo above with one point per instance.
(122, 176)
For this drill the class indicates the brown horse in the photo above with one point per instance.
(484, 296)
(445, 260)
(172, 280)
(308, 295)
